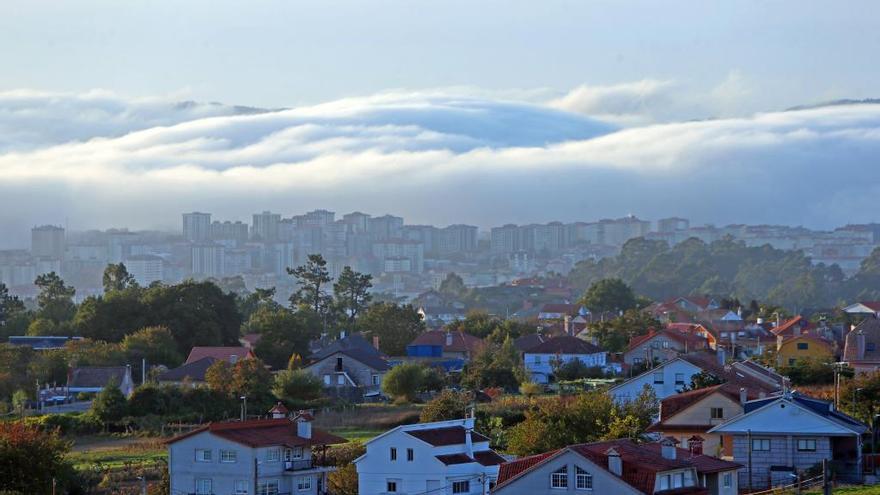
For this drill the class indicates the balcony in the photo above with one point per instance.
(301, 465)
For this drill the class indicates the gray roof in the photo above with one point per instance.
(371, 360)
(96, 377)
(194, 370)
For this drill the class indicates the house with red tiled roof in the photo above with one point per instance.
(688, 417)
(444, 344)
(229, 354)
(278, 455)
(862, 347)
(662, 345)
(439, 457)
(619, 467)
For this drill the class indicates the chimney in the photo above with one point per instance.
(448, 338)
(615, 465)
(376, 342)
(743, 396)
(566, 324)
(304, 425)
(667, 448)
(278, 411)
(468, 443)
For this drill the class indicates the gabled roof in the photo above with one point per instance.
(787, 327)
(812, 338)
(369, 359)
(690, 340)
(194, 370)
(354, 341)
(870, 329)
(835, 420)
(483, 457)
(96, 376)
(528, 341)
(263, 433)
(564, 344)
(224, 353)
(452, 435)
(512, 469)
(461, 341)
(871, 305)
(673, 404)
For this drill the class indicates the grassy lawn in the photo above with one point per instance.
(113, 452)
(355, 433)
(849, 490)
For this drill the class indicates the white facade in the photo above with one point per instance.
(666, 379)
(145, 269)
(399, 463)
(540, 366)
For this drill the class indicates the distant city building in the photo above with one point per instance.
(196, 226)
(672, 224)
(145, 268)
(207, 260)
(265, 226)
(458, 239)
(47, 241)
(385, 227)
(236, 232)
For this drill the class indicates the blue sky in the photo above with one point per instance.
(287, 53)
(483, 112)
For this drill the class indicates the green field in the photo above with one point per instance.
(114, 452)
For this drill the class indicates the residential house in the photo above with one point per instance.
(41, 342)
(190, 373)
(229, 354)
(661, 345)
(790, 350)
(262, 456)
(862, 347)
(695, 329)
(439, 457)
(791, 327)
(92, 379)
(871, 308)
(354, 372)
(689, 416)
(673, 376)
(555, 311)
(541, 360)
(618, 467)
(776, 437)
(444, 344)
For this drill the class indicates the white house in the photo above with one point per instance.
(444, 457)
(668, 378)
(541, 359)
(262, 457)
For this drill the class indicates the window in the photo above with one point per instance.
(241, 487)
(658, 378)
(410, 455)
(327, 380)
(559, 478)
(268, 487)
(203, 455)
(679, 378)
(870, 346)
(717, 412)
(760, 444)
(393, 454)
(803, 346)
(806, 445)
(665, 344)
(791, 361)
(461, 486)
(304, 483)
(688, 478)
(665, 482)
(340, 379)
(536, 359)
(492, 483)
(637, 360)
(339, 364)
(677, 480)
(228, 456)
(727, 480)
(391, 487)
(375, 379)
(583, 479)
(273, 455)
(292, 454)
(204, 486)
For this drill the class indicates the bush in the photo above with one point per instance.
(66, 424)
(298, 388)
(530, 389)
(575, 369)
(403, 382)
(448, 405)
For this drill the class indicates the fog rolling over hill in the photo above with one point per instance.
(436, 156)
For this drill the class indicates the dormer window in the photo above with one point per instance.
(559, 478)
(583, 479)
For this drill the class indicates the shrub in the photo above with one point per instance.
(403, 382)
(448, 405)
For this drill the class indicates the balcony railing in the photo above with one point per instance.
(300, 464)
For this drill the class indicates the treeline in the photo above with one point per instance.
(729, 269)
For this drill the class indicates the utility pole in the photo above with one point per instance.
(749, 449)
(143, 370)
(256, 485)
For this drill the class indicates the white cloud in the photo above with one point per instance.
(442, 158)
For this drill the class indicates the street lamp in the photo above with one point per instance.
(243, 407)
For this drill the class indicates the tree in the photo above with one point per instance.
(218, 376)
(9, 305)
(298, 388)
(352, 291)
(109, 405)
(614, 335)
(30, 459)
(282, 333)
(452, 285)
(610, 294)
(448, 405)
(312, 278)
(403, 382)
(155, 344)
(344, 481)
(495, 366)
(396, 326)
(116, 277)
(55, 299)
(251, 379)
(703, 379)
(43, 326)
(259, 298)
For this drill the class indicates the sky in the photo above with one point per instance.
(128, 113)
